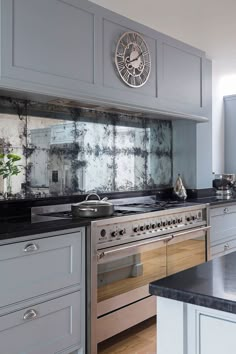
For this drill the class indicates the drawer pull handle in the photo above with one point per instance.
(30, 315)
(31, 247)
(226, 246)
(226, 210)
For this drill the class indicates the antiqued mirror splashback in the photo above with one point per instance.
(67, 150)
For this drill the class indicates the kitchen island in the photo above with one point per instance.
(197, 309)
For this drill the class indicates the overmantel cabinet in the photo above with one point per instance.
(42, 302)
(65, 48)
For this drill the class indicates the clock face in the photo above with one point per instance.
(133, 60)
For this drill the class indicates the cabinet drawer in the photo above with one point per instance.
(223, 248)
(224, 209)
(29, 269)
(55, 327)
(223, 224)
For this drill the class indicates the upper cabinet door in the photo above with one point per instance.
(66, 48)
(181, 76)
(48, 42)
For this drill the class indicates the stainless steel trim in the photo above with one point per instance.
(30, 315)
(191, 231)
(121, 300)
(125, 318)
(144, 216)
(101, 255)
(31, 247)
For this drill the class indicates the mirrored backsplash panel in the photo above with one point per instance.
(69, 151)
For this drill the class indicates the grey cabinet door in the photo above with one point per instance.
(230, 130)
(46, 328)
(181, 76)
(30, 269)
(47, 43)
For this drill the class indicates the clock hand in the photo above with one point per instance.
(136, 57)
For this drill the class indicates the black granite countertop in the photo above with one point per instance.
(212, 284)
(11, 229)
(213, 200)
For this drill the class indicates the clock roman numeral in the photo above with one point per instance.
(134, 37)
(133, 81)
(126, 75)
(139, 80)
(146, 71)
(121, 65)
(120, 55)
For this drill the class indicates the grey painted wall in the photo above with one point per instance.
(192, 146)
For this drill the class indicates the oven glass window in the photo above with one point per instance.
(185, 254)
(131, 272)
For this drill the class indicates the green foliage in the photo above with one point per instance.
(7, 165)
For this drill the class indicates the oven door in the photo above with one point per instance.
(187, 249)
(124, 272)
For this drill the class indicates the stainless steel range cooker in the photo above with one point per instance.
(143, 241)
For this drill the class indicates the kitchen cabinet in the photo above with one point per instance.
(42, 303)
(229, 131)
(223, 229)
(65, 48)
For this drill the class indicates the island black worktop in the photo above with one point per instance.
(211, 284)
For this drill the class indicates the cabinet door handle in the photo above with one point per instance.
(31, 247)
(226, 210)
(226, 246)
(30, 315)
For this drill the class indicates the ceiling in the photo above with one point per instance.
(209, 25)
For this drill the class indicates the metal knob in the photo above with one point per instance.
(30, 315)
(226, 210)
(31, 247)
(226, 246)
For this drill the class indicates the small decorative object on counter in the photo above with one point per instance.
(179, 189)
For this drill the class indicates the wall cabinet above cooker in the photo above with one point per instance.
(66, 48)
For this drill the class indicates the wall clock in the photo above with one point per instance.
(133, 59)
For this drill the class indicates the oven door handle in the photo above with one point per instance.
(103, 254)
(205, 228)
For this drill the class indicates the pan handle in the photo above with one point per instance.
(88, 209)
(89, 195)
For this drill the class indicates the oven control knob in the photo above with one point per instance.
(158, 224)
(121, 232)
(169, 222)
(188, 218)
(103, 233)
(153, 226)
(174, 221)
(193, 218)
(164, 223)
(141, 228)
(179, 220)
(147, 227)
(135, 229)
(113, 234)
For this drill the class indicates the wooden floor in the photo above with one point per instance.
(140, 339)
